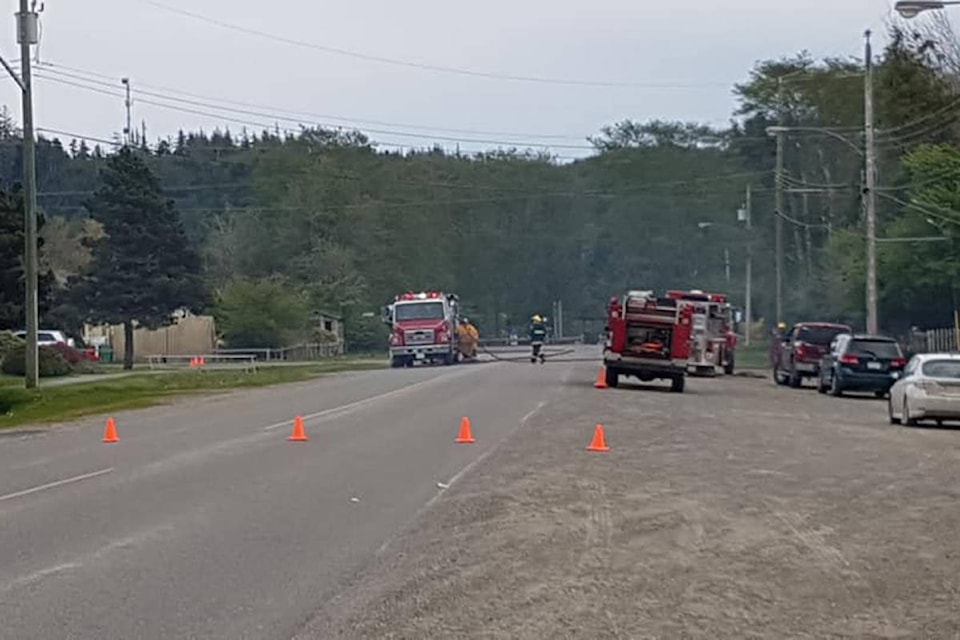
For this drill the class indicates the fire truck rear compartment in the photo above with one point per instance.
(649, 341)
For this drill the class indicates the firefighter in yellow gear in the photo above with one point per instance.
(469, 337)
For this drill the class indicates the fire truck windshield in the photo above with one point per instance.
(430, 310)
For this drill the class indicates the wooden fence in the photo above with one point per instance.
(934, 340)
(188, 335)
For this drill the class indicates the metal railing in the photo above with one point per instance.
(296, 353)
(203, 361)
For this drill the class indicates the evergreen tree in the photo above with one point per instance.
(12, 292)
(144, 269)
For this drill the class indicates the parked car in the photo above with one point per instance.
(801, 350)
(928, 390)
(861, 363)
(49, 337)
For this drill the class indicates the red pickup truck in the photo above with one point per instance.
(801, 350)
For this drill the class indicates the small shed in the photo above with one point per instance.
(328, 325)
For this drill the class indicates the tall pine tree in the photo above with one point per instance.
(144, 269)
(12, 280)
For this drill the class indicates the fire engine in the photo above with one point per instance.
(423, 328)
(649, 338)
(712, 339)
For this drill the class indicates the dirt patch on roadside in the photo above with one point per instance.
(735, 511)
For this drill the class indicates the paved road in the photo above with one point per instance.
(738, 509)
(204, 522)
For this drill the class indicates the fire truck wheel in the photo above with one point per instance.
(677, 384)
(728, 368)
(397, 363)
(612, 378)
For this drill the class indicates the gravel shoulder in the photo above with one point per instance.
(736, 510)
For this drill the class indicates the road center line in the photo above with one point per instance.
(53, 485)
(346, 408)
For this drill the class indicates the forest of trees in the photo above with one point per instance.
(325, 220)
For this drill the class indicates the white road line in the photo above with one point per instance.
(346, 408)
(487, 453)
(444, 486)
(53, 485)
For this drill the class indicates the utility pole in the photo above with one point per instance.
(559, 318)
(781, 131)
(869, 194)
(127, 130)
(27, 36)
(747, 213)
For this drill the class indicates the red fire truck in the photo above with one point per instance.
(649, 338)
(712, 340)
(423, 328)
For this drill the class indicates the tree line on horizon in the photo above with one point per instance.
(264, 230)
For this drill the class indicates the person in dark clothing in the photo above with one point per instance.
(538, 334)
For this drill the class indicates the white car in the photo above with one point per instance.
(48, 337)
(928, 390)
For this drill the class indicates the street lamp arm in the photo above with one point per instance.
(773, 131)
(912, 8)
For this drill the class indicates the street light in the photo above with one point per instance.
(868, 153)
(775, 130)
(912, 8)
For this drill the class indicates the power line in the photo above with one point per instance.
(299, 121)
(56, 68)
(953, 217)
(930, 116)
(272, 112)
(423, 66)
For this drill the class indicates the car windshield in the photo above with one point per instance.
(819, 335)
(887, 349)
(419, 311)
(46, 337)
(942, 369)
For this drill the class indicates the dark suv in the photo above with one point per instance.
(861, 363)
(801, 350)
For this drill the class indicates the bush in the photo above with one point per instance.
(8, 341)
(263, 313)
(52, 364)
(71, 355)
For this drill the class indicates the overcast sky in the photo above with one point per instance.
(672, 60)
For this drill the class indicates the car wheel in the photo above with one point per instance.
(821, 385)
(835, 389)
(677, 385)
(907, 419)
(880, 395)
(795, 381)
(893, 419)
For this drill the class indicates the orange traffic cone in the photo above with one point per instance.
(599, 440)
(465, 437)
(601, 382)
(299, 433)
(193, 363)
(110, 433)
(203, 361)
